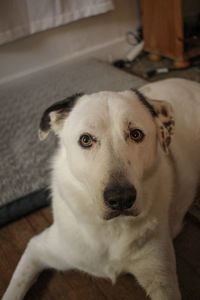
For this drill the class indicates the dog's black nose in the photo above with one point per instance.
(120, 197)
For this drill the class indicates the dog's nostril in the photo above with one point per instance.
(114, 204)
(129, 202)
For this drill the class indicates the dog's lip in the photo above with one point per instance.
(124, 213)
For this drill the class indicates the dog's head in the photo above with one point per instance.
(112, 143)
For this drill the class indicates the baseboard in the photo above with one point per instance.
(108, 51)
(24, 206)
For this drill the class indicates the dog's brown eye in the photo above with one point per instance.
(137, 135)
(86, 140)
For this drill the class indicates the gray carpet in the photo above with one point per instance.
(24, 159)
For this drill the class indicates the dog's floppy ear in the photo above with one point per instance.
(54, 116)
(162, 112)
(165, 122)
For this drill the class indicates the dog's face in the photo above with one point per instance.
(111, 142)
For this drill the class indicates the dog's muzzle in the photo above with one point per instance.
(120, 198)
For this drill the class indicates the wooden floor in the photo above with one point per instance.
(73, 285)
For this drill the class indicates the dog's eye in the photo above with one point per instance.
(86, 140)
(137, 135)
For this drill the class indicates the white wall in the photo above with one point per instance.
(102, 36)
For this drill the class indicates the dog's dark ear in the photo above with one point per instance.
(162, 112)
(165, 122)
(54, 116)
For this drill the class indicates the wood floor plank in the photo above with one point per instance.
(81, 286)
(47, 213)
(5, 271)
(126, 287)
(13, 241)
(189, 280)
(187, 245)
(38, 222)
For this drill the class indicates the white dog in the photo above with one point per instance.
(123, 178)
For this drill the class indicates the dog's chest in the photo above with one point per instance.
(105, 258)
(105, 251)
(104, 254)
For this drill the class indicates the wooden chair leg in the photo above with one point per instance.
(181, 63)
(154, 57)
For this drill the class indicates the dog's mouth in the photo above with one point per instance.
(123, 213)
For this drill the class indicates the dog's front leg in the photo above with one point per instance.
(155, 269)
(37, 257)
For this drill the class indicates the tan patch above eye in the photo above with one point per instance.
(129, 163)
(164, 111)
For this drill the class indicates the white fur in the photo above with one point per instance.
(80, 237)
